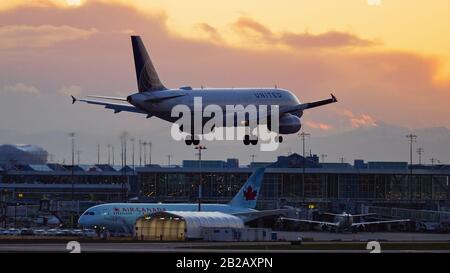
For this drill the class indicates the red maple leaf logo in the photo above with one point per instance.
(116, 209)
(250, 194)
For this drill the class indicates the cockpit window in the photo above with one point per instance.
(89, 213)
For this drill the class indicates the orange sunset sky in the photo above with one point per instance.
(387, 61)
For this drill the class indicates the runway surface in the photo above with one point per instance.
(176, 248)
(370, 236)
(321, 240)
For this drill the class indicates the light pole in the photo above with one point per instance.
(145, 153)
(113, 155)
(78, 156)
(140, 153)
(303, 136)
(434, 160)
(168, 159)
(420, 151)
(411, 138)
(109, 153)
(123, 138)
(150, 153)
(253, 158)
(323, 157)
(98, 154)
(200, 148)
(72, 136)
(132, 142)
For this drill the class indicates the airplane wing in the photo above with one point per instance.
(295, 108)
(307, 105)
(379, 222)
(249, 216)
(331, 214)
(362, 215)
(308, 221)
(117, 107)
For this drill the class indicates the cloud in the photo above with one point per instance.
(318, 125)
(246, 24)
(74, 90)
(357, 121)
(371, 81)
(20, 88)
(127, 32)
(11, 4)
(247, 27)
(211, 31)
(20, 36)
(393, 86)
(328, 39)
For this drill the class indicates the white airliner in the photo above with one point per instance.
(122, 216)
(344, 221)
(154, 99)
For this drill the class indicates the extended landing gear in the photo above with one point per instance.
(248, 141)
(192, 140)
(279, 139)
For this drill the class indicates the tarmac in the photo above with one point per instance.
(314, 238)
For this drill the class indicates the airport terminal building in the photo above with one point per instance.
(290, 181)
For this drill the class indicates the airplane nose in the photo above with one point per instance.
(82, 221)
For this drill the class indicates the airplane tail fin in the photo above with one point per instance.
(247, 196)
(147, 78)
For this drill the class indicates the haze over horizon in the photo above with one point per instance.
(389, 69)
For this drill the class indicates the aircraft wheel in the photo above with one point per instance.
(280, 139)
(254, 141)
(246, 140)
(188, 141)
(195, 140)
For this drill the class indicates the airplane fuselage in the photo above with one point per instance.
(122, 216)
(344, 221)
(221, 97)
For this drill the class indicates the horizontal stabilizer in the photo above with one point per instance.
(108, 98)
(117, 107)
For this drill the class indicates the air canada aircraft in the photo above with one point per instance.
(121, 217)
(344, 221)
(155, 99)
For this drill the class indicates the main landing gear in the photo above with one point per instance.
(248, 141)
(192, 140)
(195, 140)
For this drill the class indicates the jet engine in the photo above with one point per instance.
(289, 124)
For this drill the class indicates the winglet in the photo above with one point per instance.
(333, 98)
(73, 99)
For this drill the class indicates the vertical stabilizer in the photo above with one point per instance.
(147, 78)
(247, 196)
